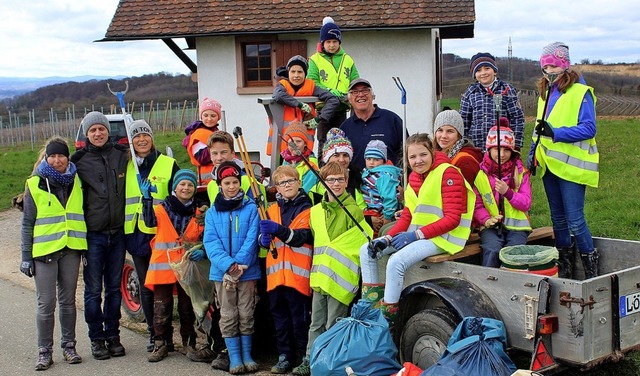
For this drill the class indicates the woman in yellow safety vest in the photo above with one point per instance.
(436, 219)
(564, 147)
(53, 236)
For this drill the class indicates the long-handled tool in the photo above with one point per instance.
(497, 100)
(403, 100)
(324, 184)
(551, 78)
(253, 182)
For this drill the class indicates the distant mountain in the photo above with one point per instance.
(12, 86)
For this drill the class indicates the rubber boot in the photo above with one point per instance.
(373, 292)
(590, 264)
(235, 356)
(249, 364)
(390, 313)
(565, 262)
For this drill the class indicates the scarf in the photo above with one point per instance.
(65, 179)
(456, 148)
(293, 158)
(223, 204)
(507, 169)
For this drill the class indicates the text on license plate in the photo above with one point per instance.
(629, 304)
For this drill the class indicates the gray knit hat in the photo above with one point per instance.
(93, 117)
(140, 127)
(449, 117)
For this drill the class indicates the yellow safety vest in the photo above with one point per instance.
(329, 77)
(321, 190)
(576, 161)
(57, 227)
(426, 208)
(335, 267)
(514, 219)
(160, 175)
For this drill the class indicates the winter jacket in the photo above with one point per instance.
(103, 172)
(232, 237)
(337, 221)
(468, 161)
(380, 189)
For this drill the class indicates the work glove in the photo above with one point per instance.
(313, 123)
(28, 268)
(265, 240)
(305, 107)
(197, 255)
(268, 226)
(530, 163)
(376, 246)
(145, 188)
(543, 128)
(401, 240)
(229, 283)
(200, 217)
(492, 221)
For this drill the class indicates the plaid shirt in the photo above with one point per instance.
(479, 114)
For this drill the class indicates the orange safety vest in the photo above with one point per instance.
(293, 265)
(168, 247)
(293, 113)
(204, 172)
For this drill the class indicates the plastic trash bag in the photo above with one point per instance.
(475, 348)
(193, 276)
(528, 256)
(361, 341)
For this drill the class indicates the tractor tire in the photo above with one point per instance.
(426, 335)
(130, 288)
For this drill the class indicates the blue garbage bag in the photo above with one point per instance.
(477, 347)
(362, 342)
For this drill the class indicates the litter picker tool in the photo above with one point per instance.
(497, 100)
(550, 78)
(403, 100)
(254, 185)
(324, 184)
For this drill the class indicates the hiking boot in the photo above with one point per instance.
(115, 347)
(45, 359)
(221, 361)
(303, 369)
(70, 354)
(205, 355)
(283, 365)
(99, 350)
(159, 351)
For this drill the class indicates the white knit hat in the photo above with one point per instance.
(449, 117)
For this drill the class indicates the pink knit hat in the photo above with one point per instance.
(211, 104)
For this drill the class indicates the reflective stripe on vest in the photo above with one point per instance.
(160, 175)
(336, 263)
(56, 226)
(578, 161)
(514, 219)
(426, 208)
(329, 76)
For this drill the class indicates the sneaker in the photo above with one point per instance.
(283, 365)
(99, 350)
(115, 347)
(70, 354)
(303, 369)
(45, 359)
(159, 352)
(205, 355)
(221, 361)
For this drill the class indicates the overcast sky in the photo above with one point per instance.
(43, 38)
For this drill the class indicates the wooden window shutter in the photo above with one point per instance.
(285, 49)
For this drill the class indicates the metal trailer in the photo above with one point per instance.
(597, 319)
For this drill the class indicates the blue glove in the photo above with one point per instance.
(269, 227)
(376, 246)
(197, 255)
(265, 240)
(401, 240)
(544, 128)
(530, 165)
(28, 268)
(145, 188)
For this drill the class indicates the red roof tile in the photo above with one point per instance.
(153, 19)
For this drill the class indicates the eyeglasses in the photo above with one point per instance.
(286, 182)
(338, 180)
(355, 93)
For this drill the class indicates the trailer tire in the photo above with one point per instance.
(426, 335)
(130, 289)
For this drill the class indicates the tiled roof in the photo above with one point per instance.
(152, 19)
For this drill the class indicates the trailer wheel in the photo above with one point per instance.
(426, 335)
(130, 288)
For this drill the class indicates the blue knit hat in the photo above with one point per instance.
(330, 30)
(184, 174)
(376, 149)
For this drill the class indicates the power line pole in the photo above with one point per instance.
(510, 55)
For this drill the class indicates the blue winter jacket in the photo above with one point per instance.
(230, 237)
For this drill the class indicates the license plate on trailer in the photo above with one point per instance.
(629, 304)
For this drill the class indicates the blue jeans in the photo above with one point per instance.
(491, 243)
(104, 262)
(397, 265)
(566, 204)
